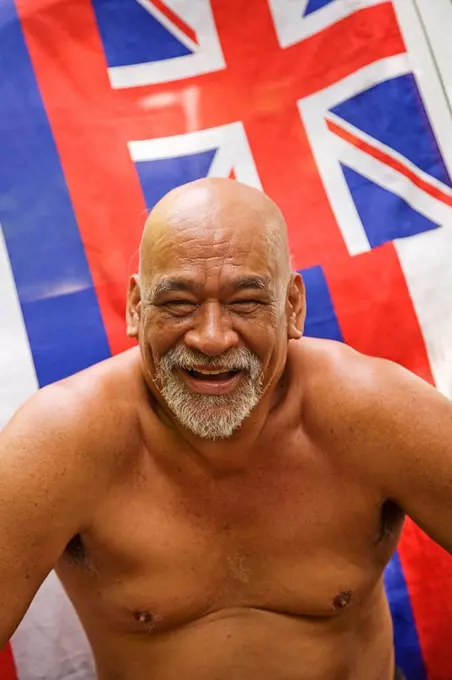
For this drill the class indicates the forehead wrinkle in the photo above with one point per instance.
(218, 272)
(212, 257)
(191, 242)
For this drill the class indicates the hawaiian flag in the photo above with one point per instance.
(337, 109)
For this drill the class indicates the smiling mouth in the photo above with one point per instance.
(216, 382)
(211, 375)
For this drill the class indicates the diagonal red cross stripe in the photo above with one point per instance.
(429, 187)
(175, 19)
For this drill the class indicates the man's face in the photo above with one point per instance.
(213, 327)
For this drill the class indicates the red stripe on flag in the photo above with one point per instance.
(7, 667)
(427, 570)
(290, 176)
(375, 311)
(101, 176)
(176, 20)
(380, 155)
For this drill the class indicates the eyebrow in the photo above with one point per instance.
(177, 285)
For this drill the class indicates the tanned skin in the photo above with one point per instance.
(259, 556)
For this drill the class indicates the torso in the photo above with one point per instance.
(272, 573)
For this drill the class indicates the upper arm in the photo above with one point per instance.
(46, 496)
(397, 434)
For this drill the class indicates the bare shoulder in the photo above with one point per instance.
(344, 381)
(371, 411)
(82, 421)
(328, 369)
(107, 395)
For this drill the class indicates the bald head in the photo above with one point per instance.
(215, 208)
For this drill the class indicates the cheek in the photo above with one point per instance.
(263, 335)
(275, 334)
(159, 334)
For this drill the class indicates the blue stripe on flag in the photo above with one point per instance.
(54, 284)
(160, 176)
(131, 35)
(385, 216)
(408, 652)
(321, 321)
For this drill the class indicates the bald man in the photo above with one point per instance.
(221, 501)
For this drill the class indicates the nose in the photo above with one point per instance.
(212, 333)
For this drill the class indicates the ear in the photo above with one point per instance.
(133, 309)
(296, 301)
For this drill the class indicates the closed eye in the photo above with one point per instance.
(246, 306)
(247, 302)
(179, 302)
(179, 306)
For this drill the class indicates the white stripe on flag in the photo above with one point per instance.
(50, 643)
(425, 260)
(437, 21)
(16, 362)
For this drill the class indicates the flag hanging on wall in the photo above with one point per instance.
(337, 109)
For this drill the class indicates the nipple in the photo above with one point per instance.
(145, 618)
(342, 599)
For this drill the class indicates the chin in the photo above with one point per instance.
(214, 421)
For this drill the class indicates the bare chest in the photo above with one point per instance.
(308, 542)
